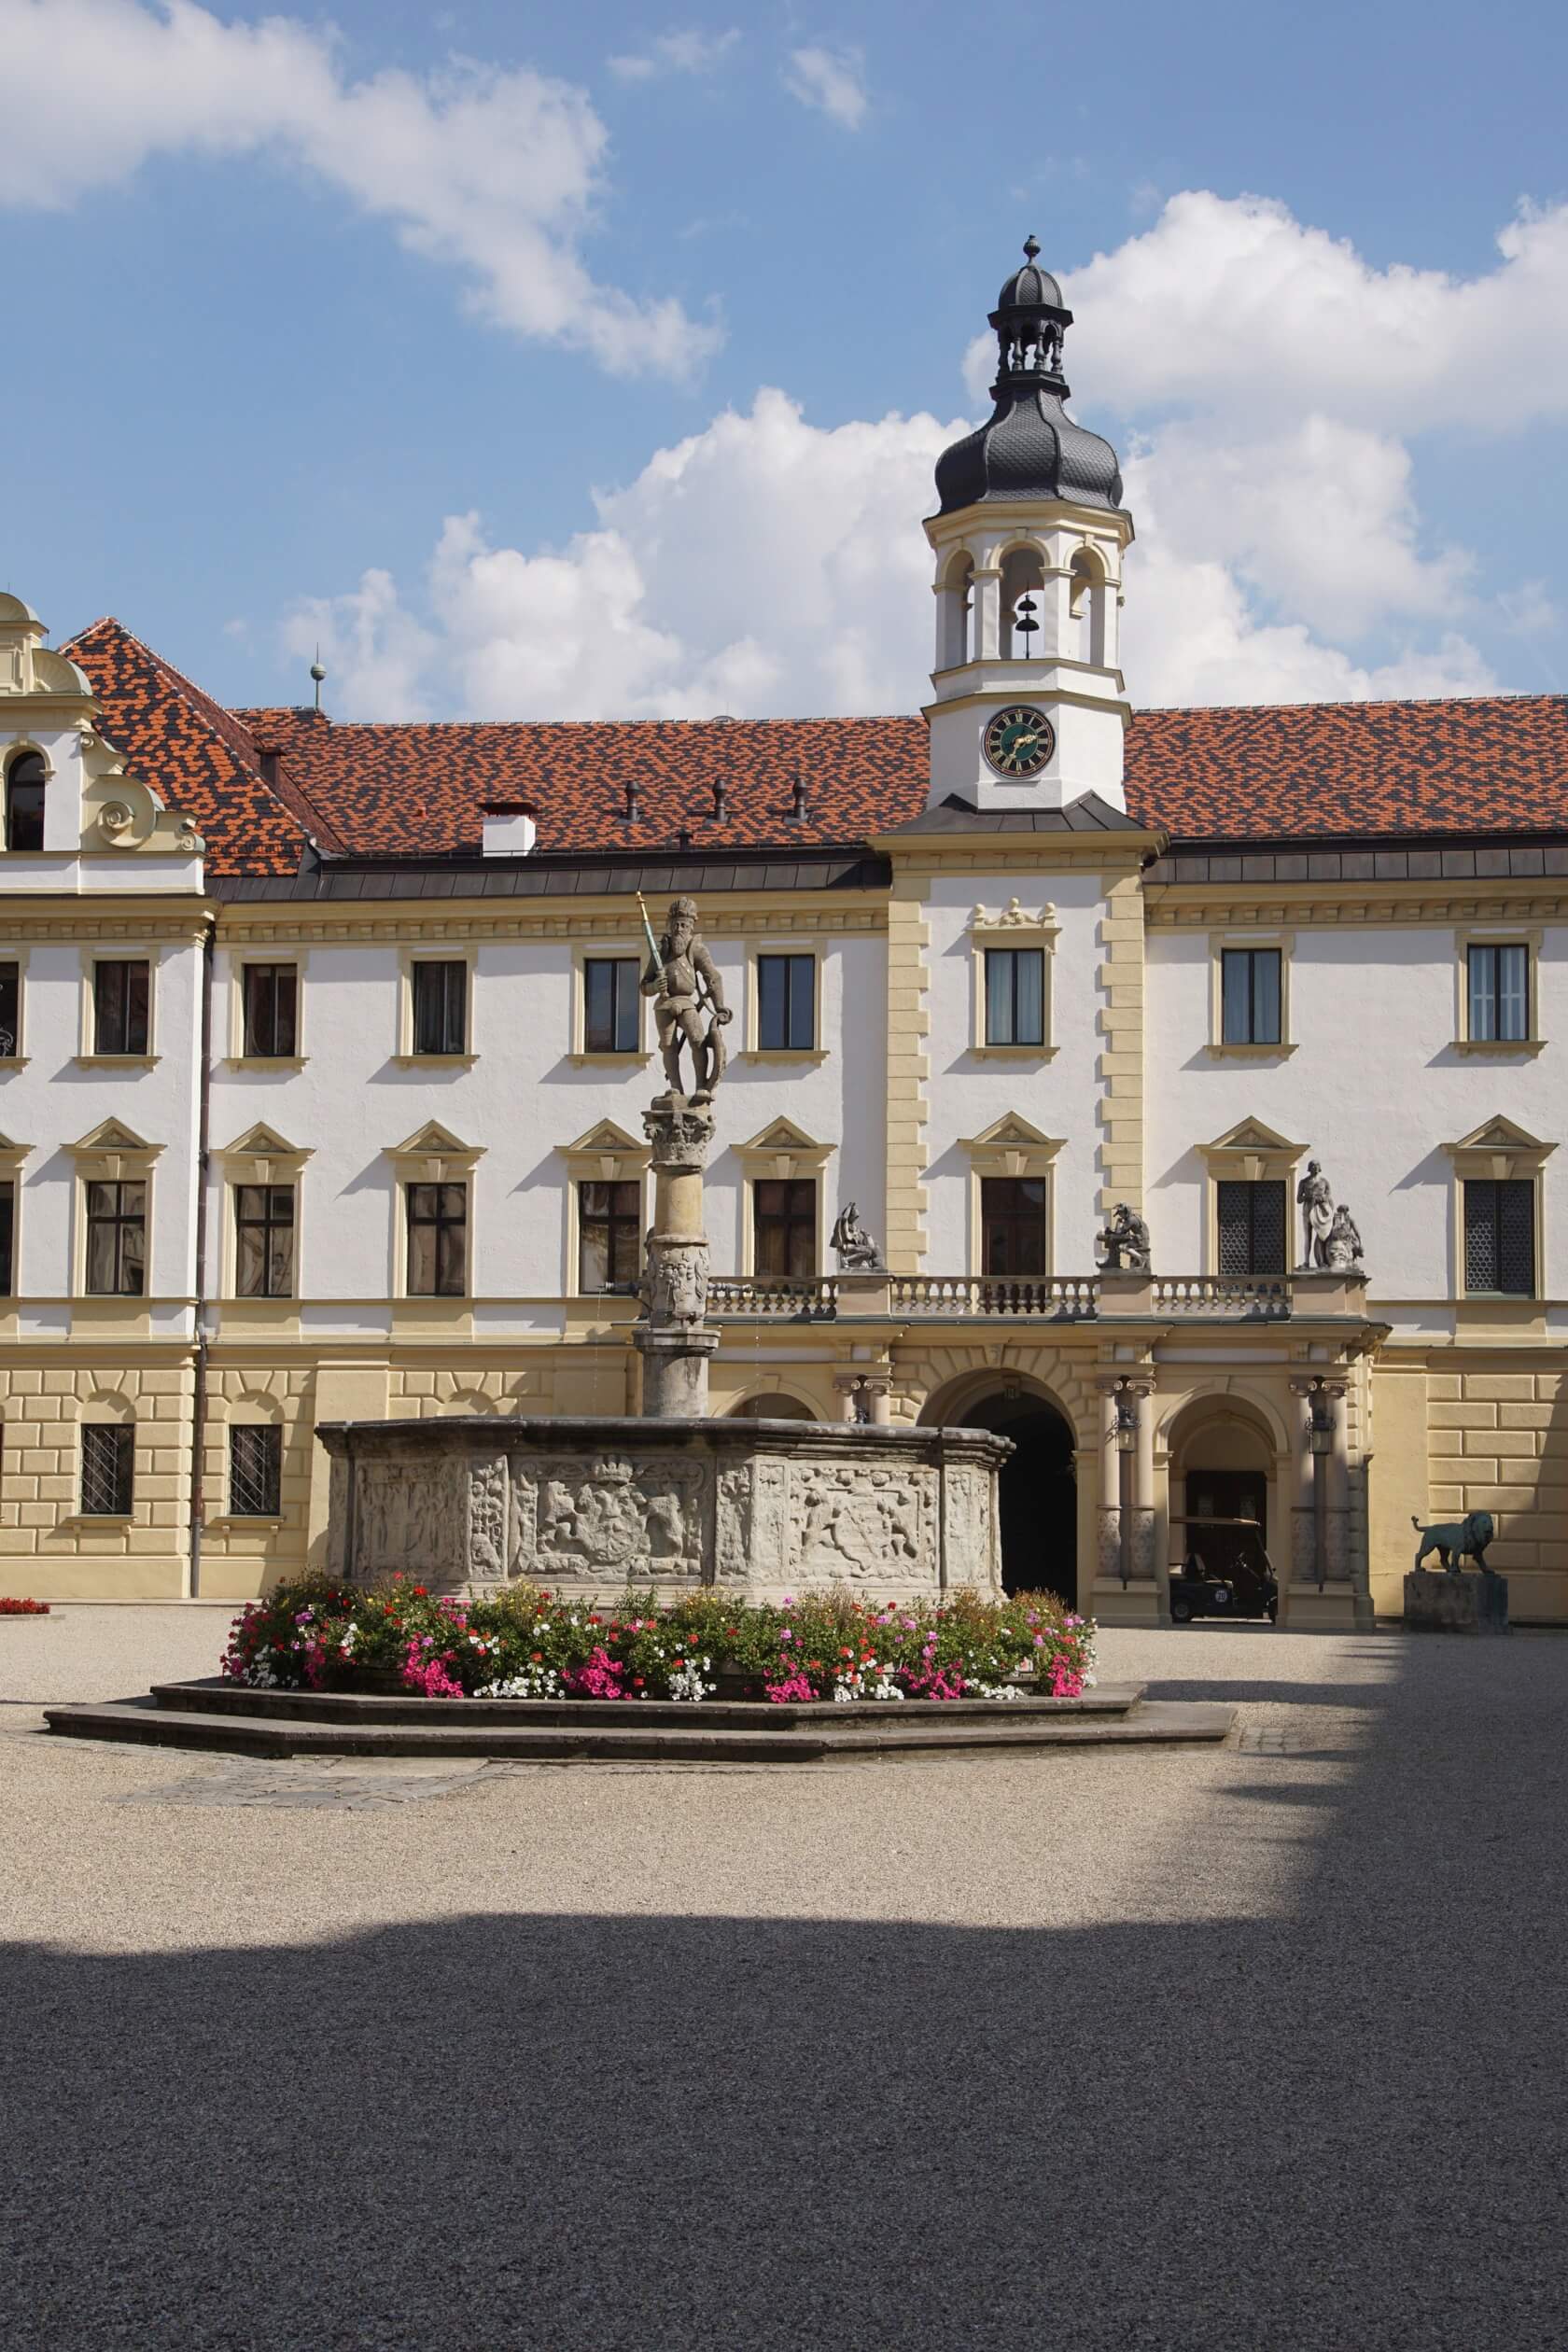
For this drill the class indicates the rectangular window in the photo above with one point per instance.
(1015, 996)
(1500, 1236)
(265, 1237)
(1249, 996)
(1012, 1224)
(1251, 1228)
(440, 1008)
(610, 1001)
(271, 993)
(7, 1240)
(10, 1009)
(784, 1214)
(120, 996)
(609, 1235)
(786, 1003)
(438, 1241)
(109, 1456)
(255, 1471)
(1499, 994)
(116, 1239)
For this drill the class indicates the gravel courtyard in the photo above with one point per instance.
(1260, 2046)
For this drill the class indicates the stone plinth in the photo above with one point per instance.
(1438, 1602)
(762, 1508)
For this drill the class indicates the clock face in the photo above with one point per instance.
(1018, 742)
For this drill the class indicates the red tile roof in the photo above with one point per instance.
(258, 781)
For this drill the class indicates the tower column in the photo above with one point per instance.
(988, 612)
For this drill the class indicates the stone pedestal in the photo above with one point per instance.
(673, 1338)
(1437, 1602)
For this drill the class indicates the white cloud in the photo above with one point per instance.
(675, 54)
(492, 172)
(831, 79)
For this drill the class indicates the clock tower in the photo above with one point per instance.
(1029, 538)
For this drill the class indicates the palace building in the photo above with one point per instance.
(323, 1060)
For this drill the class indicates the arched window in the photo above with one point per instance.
(954, 606)
(1022, 597)
(24, 801)
(1087, 604)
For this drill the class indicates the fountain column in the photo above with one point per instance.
(674, 1339)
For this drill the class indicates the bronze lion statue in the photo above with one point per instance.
(1456, 1540)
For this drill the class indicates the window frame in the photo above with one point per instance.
(138, 1058)
(611, 950)
(18, 1057)
(1503, 1151)
(612, 1288)
(1253, 1186)
(267, 1224)
(119, 1224)
(1250, 1151)
(801, 990)
(1016, 1274)
(1013, 928)
(408, 1054)
(1232, 942)
(241, 965)
(440, 1224)
(251, 1428)
(125, 1434)
(1010, 1146)
(792, 945)
(782, 1149)
(113, 1153)
(810, 1222)
(1497, 935)
(15, 755)
(1496, 1185)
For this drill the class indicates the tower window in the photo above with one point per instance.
(24, 801)
(1015, 996)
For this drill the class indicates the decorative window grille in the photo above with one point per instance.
(1499, 994)
(264, 1232)
(787, 1003)
(255, 1470)
(1015, 996)
(784, 1215)
(441, 992)
(1500, 1236)
(108, 1452)
(1012, 1224)
(1249, 996)
(25, 780)
(609, 1235)
(120, 998)
(610, 1001)
(116, 1239)
(438, 1241)
(272, 999)
(10, 1009)
(1251, 1228)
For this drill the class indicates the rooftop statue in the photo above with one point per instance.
(688, 995)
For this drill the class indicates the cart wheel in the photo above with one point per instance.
(1181, 1611)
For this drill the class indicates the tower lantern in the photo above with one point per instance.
(1029, 538)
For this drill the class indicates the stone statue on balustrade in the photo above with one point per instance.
(1316, 1204)
(1124, 1247)
(853, 1246)
(1344, 1243)
(688, 1008)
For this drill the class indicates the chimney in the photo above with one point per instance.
(633, 810)
(509, 830)
(798, 809)
(719, 798)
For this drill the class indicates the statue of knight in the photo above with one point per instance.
(683, 981)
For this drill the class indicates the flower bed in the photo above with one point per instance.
(311, 1634)
(9, 1606)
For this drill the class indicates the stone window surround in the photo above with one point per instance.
(1011, 1146)
(1259, 1156)
(1496, 935)
(787, 943)
(239, 957)
(1013, 928)
(118, 951)
(432, 951)
(131, 1161)
(259, 1156)
(17, 955)
(1502, 1150)
(777, 1153)
(12, 1157)
(1283, 942)
(252, 1414)
(632, 949)
(432, 1155)
(114, 1413)
(606, 1154)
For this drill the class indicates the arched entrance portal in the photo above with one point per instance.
(1039, 1492)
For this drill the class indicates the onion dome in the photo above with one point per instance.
(1031, 448)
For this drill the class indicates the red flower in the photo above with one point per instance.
(846, 1653)
(637, 1682)
(595, 1620)
(420, 1593)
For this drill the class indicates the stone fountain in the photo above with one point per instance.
(674, 1498)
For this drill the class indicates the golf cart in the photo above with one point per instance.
(1226, 1572)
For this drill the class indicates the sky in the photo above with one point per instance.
(593, 362)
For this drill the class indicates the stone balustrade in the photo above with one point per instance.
(1037, 1298)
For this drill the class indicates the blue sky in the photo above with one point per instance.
(563, 362)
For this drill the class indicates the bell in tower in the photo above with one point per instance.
(1029, 539)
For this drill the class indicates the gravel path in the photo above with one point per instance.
(1258, 2048)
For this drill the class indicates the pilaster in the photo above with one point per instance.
(908, 1070)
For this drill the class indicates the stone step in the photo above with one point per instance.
(214, 1696)
(999, 1732)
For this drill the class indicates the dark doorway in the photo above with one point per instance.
(1225, 1494)
(1039, 1494)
